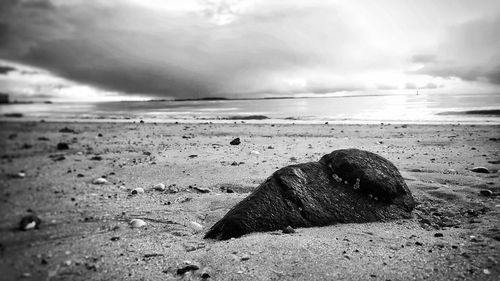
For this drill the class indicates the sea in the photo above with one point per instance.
(474, 108)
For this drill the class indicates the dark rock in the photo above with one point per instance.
(308, 194)
(438, 234)
(80, 176)
(236, 141)
(115, 238)
(67, 130)
(62, 146)
(202, 189)
(205, 273)
(482, 170)
(186, 268)
(96, 158)
(142, 121)
(288, 230)
(486, 192)
(29, 222)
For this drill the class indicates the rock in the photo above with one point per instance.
(62, 146)
(195, 226)
(486, 192)
(100, 181)
(96, 158)
(202, 189)
(29, 222)
(482, 170)
(288, 230)
(438, 234)
(306, 195)
(254, 152)
(236, 141)
(136, 223)
(67, 130)
(205, 272)
(187, 267)
(159, 187)
(245, 258)
(138, 190)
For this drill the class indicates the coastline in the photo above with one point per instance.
(80, 219)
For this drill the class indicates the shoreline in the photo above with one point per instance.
(269, 121)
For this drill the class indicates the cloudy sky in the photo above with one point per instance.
(128, 49)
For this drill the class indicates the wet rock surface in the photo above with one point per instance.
(343, 187)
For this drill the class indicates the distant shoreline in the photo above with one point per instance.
(488, 112)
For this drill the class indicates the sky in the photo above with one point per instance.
(134, 49)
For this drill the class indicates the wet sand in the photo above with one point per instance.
(453, 235)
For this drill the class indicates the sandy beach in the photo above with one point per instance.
(85, 234)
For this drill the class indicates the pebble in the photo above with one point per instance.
(482, 170)
(136, 223)
(254, 152)
(187, 267)
(245, 257)
(486, 271)
(100, 181)
(288, 230)
(486, 192)
(138, 190)
(29, 222)
(159, 187)
(196, 226)
(79, 153)
(67, 263)
(62, 146)
(205, 273)
(202, 189)
(438, 234)
(236, 141)
(21, 175)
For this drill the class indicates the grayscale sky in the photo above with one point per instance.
(130, 49)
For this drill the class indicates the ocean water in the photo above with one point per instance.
(406, 108)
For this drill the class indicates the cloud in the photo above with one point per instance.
(5, 69)
(197, 48)
(469, 51)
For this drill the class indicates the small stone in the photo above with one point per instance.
(79, 153)
(245, 257)
(21, 175)
(138, 190)
(196, 226)
(254, 152)
(100, 181)
(115, 238)
(159, 187)
(486, 271)
(482, 170)
(236, 141)
(62, 146)
(67, 263)
(450, 171)
(486, 192)
(205, 273)
(202, 189)
(96, 158)
(136, 223)
(188, 267)
(26, 275)
(438, 234)
(288, 230)
(29, 222)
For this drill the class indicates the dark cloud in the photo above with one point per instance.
(123, 47)
(5, 69)
(470, 51)
(423, 58)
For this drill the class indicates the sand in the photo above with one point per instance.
(453, 235)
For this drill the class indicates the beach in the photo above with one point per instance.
(85, 233)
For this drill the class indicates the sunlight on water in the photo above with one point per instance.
(404, 108)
